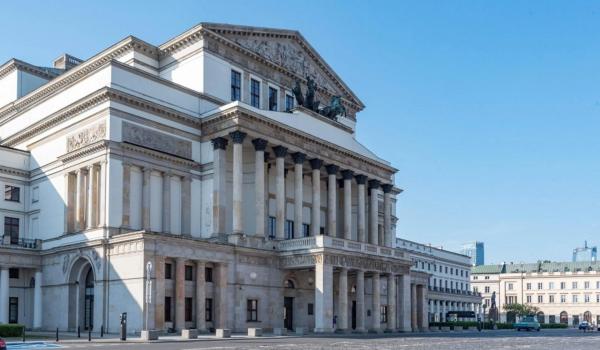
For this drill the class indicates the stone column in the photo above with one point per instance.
(180, 293)
(280, 153)
(332, 199)
(102, 210)
(186, 205)
(348, 175)
(219, 173)
(146, 189)
(298, 192)
(80, 198)
(126, 223)
(315, 222)
(259, 186)
(387, 215)
(374, 212)
(360, 301)
(413, 307)
(422, 309)
(342, 320)
(361, 215)
(391, 301)
(238, 180)
(323, 297)
(222, 297)
(92, 197)
(4, 294)
(200, 296)
(166, 202)
(405, 303)
(376, 308)
(37, 300)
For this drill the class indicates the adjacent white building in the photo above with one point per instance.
(195, 156)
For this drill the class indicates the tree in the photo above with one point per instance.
(521, 309)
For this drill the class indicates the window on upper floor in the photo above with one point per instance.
(255, 93)
(12, 193)
(273, 99)
(289, 102)
(236, 85)
(11, 229)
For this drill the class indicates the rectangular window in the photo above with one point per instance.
(540, 286)
(528, 286)
(255, 93)
(13, 310)
(208, 309)
(252, 310)
(208, 277)
(305, 230)
(236, 85)
(272, 222)
(289, 102)
(168, 309)
(383, 313)
(189, 273)
(11, 229)
(311, 309)
(289, 229)
(12, 193)
(273, 99)
(540, 299)
(168, 271)
(188, 309)
(13, 273)
(551, 299)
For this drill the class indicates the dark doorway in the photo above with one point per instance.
(353, 314)
(288, 312)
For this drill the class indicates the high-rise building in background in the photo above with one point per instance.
(585, 253)
(475, 251)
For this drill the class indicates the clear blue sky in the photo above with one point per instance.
(491, 110)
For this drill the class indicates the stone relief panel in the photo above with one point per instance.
(86, 136)
(155, 140)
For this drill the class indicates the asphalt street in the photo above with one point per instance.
(501, 339)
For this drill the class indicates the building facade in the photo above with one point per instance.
(449, 280)
(564, 292)
(475, 251)
(254, 210)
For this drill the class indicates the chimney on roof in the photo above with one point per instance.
(66, 62)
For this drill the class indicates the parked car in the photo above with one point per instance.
(586, 326)
(528, 323)
(2, 344)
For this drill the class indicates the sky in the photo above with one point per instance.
(490, 110)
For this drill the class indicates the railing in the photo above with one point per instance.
(28, 243)
(338, 243)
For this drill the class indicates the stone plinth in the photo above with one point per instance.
(149, 335)
(255, 332)
(223, 333)
(189, 333)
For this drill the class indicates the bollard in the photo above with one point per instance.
(90, 334)
(78, 332)
(57, 334)
(102, 331)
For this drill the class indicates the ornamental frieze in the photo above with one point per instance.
(86, 136)
(158, 141)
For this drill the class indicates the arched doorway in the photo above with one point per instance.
(81, 284)
(541, 317)
(587, 316)
(564, 317)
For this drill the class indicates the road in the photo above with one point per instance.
(502, 339)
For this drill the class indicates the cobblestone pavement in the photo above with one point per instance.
(490, 340)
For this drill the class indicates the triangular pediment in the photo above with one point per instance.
(289, 50)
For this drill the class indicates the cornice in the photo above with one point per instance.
(232, 116)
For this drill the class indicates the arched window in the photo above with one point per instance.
(541, 318)
(289, 284)
(564, 317)
(587, 316)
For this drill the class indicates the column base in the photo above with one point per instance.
(323, 330)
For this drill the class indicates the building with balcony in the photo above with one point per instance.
(210, 158)
(449, 280)
(564, 292)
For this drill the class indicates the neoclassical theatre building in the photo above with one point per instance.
(227, 158)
